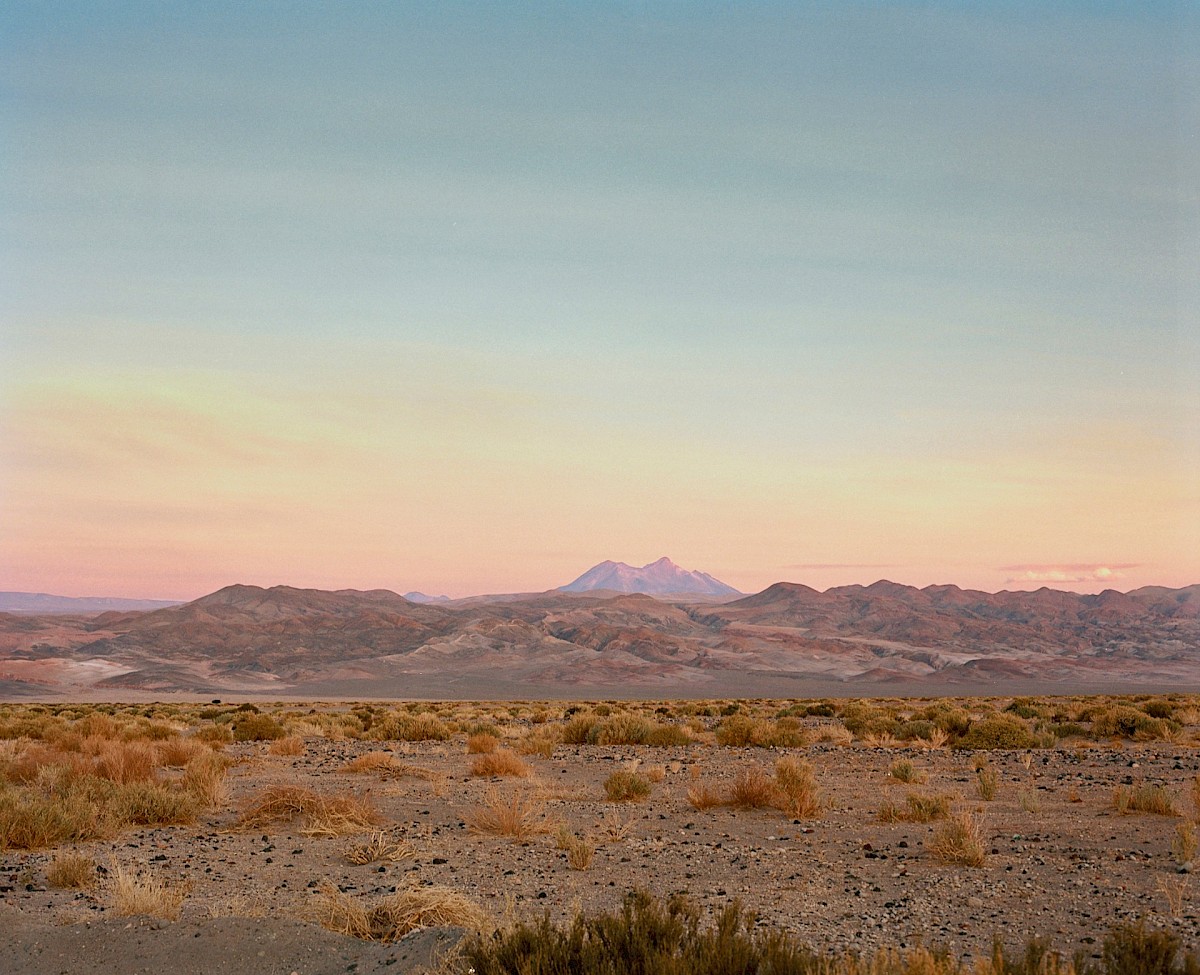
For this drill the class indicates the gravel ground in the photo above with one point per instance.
(1062, 862)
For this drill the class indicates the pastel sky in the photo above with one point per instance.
(467, 297)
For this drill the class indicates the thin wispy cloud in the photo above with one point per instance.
(1072, 572)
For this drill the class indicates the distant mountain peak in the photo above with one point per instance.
(659, 578)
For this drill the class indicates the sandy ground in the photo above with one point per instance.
(1062, 863)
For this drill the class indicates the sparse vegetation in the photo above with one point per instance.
(626, 786)
(960, 840)
(501, 762)
(72, 870)
(130, 892)
(391, 918)
(322, 815)
(517, 816)
(1145, 798)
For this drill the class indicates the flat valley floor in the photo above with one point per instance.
(1062, 857)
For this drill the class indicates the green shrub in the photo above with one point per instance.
(626, 786)
(257, 727)
(998, 731)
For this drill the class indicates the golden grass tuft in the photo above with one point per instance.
(625, 785)
(204, 778)
(291, 745)
(516, 816)
(917, 808)
(903, 770)
(501, 762)
(1144, 798)
(391, 918)
(960, 840)
(796, 783)
(385, 766)
(323, 815)
(72, 870)
(131, 893)
(703, 796)
(482, 744)
(753, 789)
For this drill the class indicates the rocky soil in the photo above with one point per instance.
(1062, 863)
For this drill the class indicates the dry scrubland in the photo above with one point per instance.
(857, 827)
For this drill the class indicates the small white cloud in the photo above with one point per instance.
(1073, 572)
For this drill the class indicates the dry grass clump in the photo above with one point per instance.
(214, 735)
(153, 804)
(291, 745)
(178, 752)
(540, 742)
(204, 778)
(257, 727)
(917, 809)
(903, 770)
(703, 796)
(391, 918)
(380, 847)
(503, 761)
(482, 744)
(800, 796)
(625, 785)
(516, 816)
(739, 731)
(960, 840)
(385, 766)
(30, 819)
(410, 727)
(1184, 843)
(72, 870)
(323, 815)
(579, 850)
(131, 893)
(1145, 798)
(753, 789)
(987, 782)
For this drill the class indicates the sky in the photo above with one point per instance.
(467, 297)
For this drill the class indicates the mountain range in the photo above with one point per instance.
(788, 640)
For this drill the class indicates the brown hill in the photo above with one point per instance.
(245, 638)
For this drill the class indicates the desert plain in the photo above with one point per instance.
(263, 836)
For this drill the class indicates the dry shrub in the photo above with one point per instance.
(410, 727)
(214, 735)
(379, 847)
(917, 809)
(738, 730)
(540, 742)
(579, 853)
(384, 765)
(626, 786)
(516, 816)
(578, 730)
(753, 789)
(903, 770)
(655, 774)
(204, 778)
(126, 762)
(960, 840)
(257, 727)
(482, 744)
(177, 752)
(370, 762)
(503, 761)
(1144, 797)
(291, 745)
(703, 796)
(30, 820)
(153, 804)
(613, 827)
(391, 918)
(323, 815)
(987, 781)
(796, 783)
(131, 893)
(1184, 843)
(72, 870)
